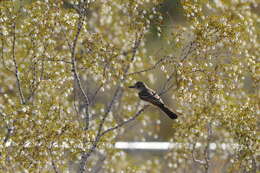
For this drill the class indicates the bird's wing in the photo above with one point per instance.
(151, 96)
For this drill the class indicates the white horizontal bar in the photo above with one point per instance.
(168, 145)
(151, 145)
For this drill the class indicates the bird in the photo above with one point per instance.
(147, 94)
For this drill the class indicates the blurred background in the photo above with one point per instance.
(201, 56)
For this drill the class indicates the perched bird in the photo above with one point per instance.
(150, 96)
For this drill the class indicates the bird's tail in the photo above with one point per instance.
(167, 111)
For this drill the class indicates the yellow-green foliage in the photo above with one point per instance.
(209, 62)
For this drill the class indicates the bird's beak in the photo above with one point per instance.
(132, 86)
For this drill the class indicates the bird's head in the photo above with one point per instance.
(138, 85)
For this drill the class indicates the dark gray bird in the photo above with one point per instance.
(150, 96)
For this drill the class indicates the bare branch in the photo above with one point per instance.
(164, 89)
(134, 50)
(85, 156)
(36, 84)
(22, 100)
(75, 72)
(125, 122)
(96, 92)
(136, 45)
(190, 49)
(101, 134)
(74, 101)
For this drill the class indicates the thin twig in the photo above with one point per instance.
(189, 50)
(30, 97)
(96, 92)
(165, 83)
(75, 72)
(74, 101)
(137, 114)
(22, 100)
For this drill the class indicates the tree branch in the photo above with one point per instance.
(35, 84)
(134, 117)
(98, 137)
(190, 49)
(18, 82)
(74, 69)
(101, 134)
(85, 156)
(136, 45)
(125, 122)
(96, 92)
